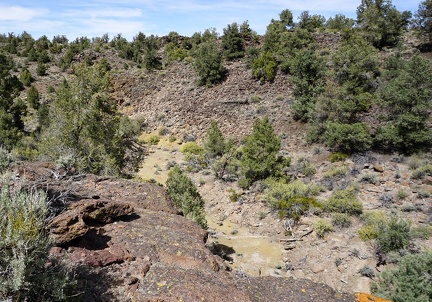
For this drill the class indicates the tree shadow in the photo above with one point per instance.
(222, 250)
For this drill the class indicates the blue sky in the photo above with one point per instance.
(93, 18)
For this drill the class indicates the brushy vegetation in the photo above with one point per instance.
(291, 199)
(185, 196)
(395, 235)
(344, 201)
(337, 156)
(259, 158)
(372, 221)
(409, 281)
(322, 227)
(24, 244)
(191, 148)
(352, 99)
(341, 220)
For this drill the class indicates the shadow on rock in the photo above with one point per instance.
(222, 251)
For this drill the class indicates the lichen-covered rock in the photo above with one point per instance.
(127, 242)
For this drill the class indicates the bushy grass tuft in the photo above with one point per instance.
(192, 148)
(372, 221)
(322, 227)
(344, 201)
(291, 199)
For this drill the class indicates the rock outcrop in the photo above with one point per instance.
(127, 242)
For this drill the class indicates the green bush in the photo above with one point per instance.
(372, 221)
(341, 220)
(233, 195)
(296, 206)
(422, 232)
(153, 139)
(185, 196)
(344, 201)
(394, 235)
(367, 271)
(191, 148)
(279, 190)
(370, 178)
(347, 137)
(336, 172)
(264, 68)
(322, 227)
(291, 199)
(228, 165)
(5, 160)
(422, 171)
(409, 281)
(402, 194)
(337, 156)
(24, 246)
(306, 167)
(259, 158)
(208, 64)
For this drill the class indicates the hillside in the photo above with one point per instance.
(337, 189)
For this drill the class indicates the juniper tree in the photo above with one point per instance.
(185, 196)
(11, 125)
(84, 124)
(208, 64)
(406, 99)
(423, 20)
(232, 42)
(380, 22)
(259, 158)
(214, 141)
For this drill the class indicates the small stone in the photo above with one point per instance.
(317, 268)
(378, 168)
(428, 180)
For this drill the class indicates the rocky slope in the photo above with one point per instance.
(127, 243)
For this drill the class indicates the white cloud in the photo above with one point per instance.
(97, 27)
(104, 13)
(316, 6)
(17, 13)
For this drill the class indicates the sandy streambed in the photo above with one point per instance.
(248, 253)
